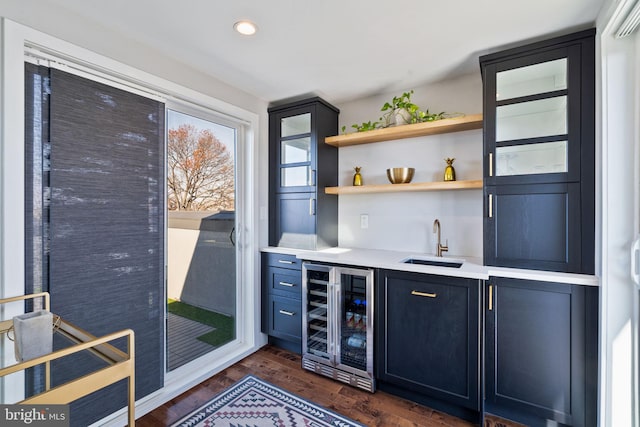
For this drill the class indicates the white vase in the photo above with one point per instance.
(401, 117)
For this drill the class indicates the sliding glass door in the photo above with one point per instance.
(201, 235)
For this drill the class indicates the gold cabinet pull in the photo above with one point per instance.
(490, 205)
(490, 164)
(287, 313)
(490, 297)
(287, 284)
(423, 294)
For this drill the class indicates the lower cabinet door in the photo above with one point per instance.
(295, 221)
(541, 352)
(428, 333)
(535, 226)
(285, 318)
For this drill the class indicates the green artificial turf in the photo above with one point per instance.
(224, 325)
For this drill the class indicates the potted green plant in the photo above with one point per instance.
(400, 110)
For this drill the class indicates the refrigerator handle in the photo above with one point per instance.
(337, 337)
(330, 338)
(635, 248)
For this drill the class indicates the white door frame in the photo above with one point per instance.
(618, 157)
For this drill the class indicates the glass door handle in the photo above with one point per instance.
(635, 251)
(232, 237)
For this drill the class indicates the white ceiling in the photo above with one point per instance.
(338, 49)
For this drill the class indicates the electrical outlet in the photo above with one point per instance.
(364, 221)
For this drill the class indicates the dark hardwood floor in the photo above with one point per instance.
(283, 369)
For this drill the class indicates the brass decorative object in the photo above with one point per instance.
(449, 171)
(357, 178)
(400, 175)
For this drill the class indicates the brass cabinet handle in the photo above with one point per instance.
(490, 164)
(490, 205)
(490, 297)
(284, 261)
(287, 313)
(287, 284)
(423, 294)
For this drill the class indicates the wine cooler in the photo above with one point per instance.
(337, 331)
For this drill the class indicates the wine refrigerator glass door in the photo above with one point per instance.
(316, 332)
(355, 320)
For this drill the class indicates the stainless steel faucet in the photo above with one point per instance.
(439, 247)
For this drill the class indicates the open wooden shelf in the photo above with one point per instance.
(399, 188)
(469, 122)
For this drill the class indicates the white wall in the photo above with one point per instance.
(404, 221)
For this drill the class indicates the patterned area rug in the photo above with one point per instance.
(252, 402)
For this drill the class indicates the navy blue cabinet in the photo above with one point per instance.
(539, 152)
(301, 165)
(282, 300)
(534, 226)
(541, 352)
(428, 340)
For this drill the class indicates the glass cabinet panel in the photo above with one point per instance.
(548, 157)
(295, 150)
(317, 310)
(533, 79)
(298, 176)
(532, 119)
(355, 314)
(295, 125)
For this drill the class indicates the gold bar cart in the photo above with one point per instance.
(121, 365)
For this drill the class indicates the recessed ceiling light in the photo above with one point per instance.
(246, 28)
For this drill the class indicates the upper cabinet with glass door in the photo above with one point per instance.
(533, 113)
(539, 155)
(301, 215)
(295, 159)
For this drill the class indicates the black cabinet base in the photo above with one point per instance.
(438, 405)
(294, 347)
(520, 417)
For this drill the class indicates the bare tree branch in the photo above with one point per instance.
(200, 171)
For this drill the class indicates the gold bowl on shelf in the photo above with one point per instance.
(400, 175)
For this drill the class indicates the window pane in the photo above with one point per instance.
(548, 157)
(532, 119)
(295, 125)
(533, 79)
(296, 150)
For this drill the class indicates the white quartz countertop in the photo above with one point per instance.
(393, 260)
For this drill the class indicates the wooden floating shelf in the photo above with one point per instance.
(458, 124)
(399, 188)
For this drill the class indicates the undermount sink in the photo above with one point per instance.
(433, 262)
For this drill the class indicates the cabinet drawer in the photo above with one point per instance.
(282, 260)
(282, 281)
(285, 318)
